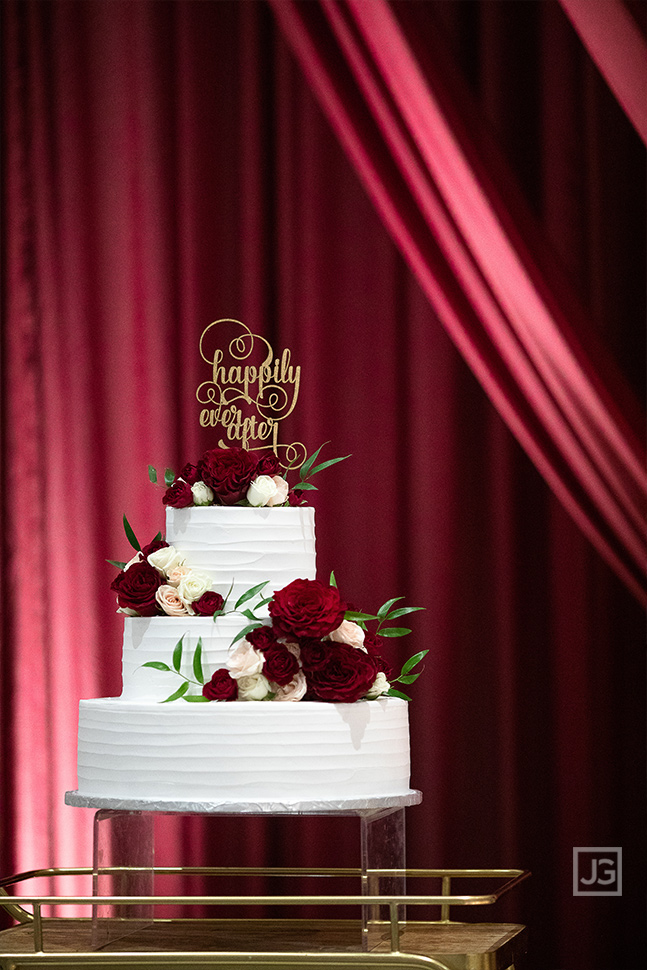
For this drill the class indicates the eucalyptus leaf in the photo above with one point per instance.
(180, 692)
(392, 692)
(412, 661)
(177, 655)
(250, 594)
(117, 565)
(130, 535)
(394, 631)
(197, 662)
(152, 474)
(157, 665)
(384, 609)
(169, 477)
(196, 698)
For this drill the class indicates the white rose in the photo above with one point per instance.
(168, 599)
(280, 496)
(261, 491)
(293, 691)
(192, 587)
(136, 558)
(253, 687)
(244, 660)
(202, 494)
(350, 633)
(380, 686)
(165, 559)
(127, 610)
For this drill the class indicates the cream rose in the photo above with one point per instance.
(136, 558)
(280, 496)
(293, 691)
(244, 660)
(379, 687)
(350, 633)
(171, 603)
(192, 586)
(253, 687)
(165, 559)
(261, 491)
(177, 574)
(202, 494)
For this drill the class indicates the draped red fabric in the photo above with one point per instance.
(616, 45)
(166, 164)
(517, 338)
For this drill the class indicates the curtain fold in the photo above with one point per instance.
(452, 228)
(613, 40)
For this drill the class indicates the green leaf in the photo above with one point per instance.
(196, 698)
(305, 487)
(152, 474)
(333, 581)
(250, 594)
(177, 655)
(392, 692)
(407, 678)
(403, 610)
(358, 617)
(249, 614)
(243, 633)
(263, 602)
(117, 565)
(412, 661)
(169, 477)
(384, 609)
(130, 535)
(327, 464)
(393, 631)
(304, 471)
(197, 662)
(180, 692)
(157, 665)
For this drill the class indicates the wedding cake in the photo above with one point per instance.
(246, 681)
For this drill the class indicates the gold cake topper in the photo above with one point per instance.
(251, 390)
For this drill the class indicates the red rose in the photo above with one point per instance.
(136, 587)
(294, 497)
(189, 473)
(347, 675)
(280, 665)
(313, 654)
(262, 638)
(178, 495)
(374, 645)
(268, 465)
(306, 608)
(153, 547)
(228, 472)
(221, 687)
(208, 604)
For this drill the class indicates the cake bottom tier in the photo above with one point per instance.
(243, 751)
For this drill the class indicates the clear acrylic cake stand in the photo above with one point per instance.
(124, 848)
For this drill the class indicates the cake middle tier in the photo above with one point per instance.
(245, 546)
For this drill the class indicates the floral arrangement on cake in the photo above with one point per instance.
(314, 647)
(233, 476)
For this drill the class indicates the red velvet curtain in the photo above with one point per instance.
(166, 164)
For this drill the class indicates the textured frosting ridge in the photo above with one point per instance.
(243, 751)
(246, 545)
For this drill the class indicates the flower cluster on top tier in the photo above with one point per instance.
(232, 476)
(158, 582)
(309, 651)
